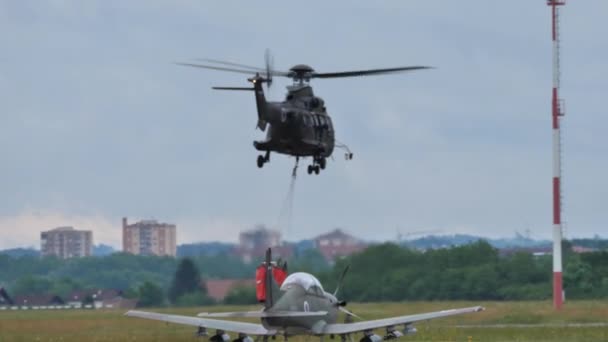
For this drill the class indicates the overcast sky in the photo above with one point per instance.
(96, 122)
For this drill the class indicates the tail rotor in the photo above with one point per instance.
(269, 63)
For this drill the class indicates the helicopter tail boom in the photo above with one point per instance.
(260, 100)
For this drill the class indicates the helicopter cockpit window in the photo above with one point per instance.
(307, 120)
(323, 121)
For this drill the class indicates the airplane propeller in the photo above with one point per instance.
(341, 280)
(342, 303)
(350, 313)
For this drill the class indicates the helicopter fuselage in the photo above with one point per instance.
(298, 126)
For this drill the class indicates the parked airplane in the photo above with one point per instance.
(299, 306)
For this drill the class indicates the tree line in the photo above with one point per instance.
(471, 272)
(383, 272)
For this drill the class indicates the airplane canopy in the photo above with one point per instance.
(305, 280)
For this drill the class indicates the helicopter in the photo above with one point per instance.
(300, 125)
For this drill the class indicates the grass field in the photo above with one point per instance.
(502, 321)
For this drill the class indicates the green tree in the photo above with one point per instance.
(193, 299)
(32, 285)
(131, 293)
(64, 286)
(310, 260)
(481, 283)
(241, 295)
(187, 280)
(577, 278)
(150, 294)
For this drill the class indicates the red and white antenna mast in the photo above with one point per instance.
(557, 111)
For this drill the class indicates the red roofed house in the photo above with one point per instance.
(582, 249)
(218, 289)
(100, 298)
(39, 300)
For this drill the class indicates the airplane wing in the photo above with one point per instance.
(240, 327)
(345, 328)
(263, 314)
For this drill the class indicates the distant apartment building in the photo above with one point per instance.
(66, 242)
(253, 244)
(148, 237)
(337, 244)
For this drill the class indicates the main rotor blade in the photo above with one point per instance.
(241, 71)
(233, 88)
(243, 66)
(367, 72)
(248, 72)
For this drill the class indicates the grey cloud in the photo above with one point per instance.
(96, 120)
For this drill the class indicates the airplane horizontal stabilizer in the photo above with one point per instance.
(347, 328)
(263, 314)
(241, 327)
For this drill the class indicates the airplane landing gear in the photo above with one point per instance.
(263, 159)
(201, 331)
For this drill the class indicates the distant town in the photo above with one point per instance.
(70, 271)
(150, 237)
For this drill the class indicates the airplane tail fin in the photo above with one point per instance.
(269, 276)
(271, 289)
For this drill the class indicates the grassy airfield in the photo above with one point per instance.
(502, 321)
